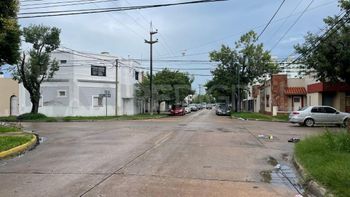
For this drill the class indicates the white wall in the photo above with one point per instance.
(314, 99)
(296, 82)
(75, 77)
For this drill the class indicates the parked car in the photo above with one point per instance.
(209, 106)
(193, 107)
(311, 115)
(223, 110)
(177, 110)
(187, 110)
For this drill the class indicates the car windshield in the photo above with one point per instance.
(303, 108)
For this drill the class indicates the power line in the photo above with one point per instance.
(324, 37)
(286, 19)
(271, 19)
(253, 28)
(115, 9)
(55, 3)
(64, 5)
(295, 22)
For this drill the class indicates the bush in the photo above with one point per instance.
(30, 116)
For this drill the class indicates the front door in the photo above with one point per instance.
(13, 106)
(297, 103)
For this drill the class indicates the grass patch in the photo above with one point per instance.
(259, 116)
(8, 119)
(5, 129)
(8, 142)
(326, 158)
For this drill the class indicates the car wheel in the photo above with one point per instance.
(309, 122)
(345, 123)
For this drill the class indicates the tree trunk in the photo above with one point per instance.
(35, 107)
(35, 99)
(158, 108)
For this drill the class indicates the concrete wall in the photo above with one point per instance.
(75, 77)
(296, 82)
(8, 88)
(339, 101)
(314, 99)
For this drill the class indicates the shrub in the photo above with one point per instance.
(30, 116)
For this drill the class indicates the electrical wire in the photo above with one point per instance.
(295, 22)
(102, 10)
(323, 37)
(55, 3)
(286, 19)
(236, 34)
(64, 5)
(274, 15)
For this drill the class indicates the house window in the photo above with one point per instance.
(63, 61)
(267, 100)
(98, 71)
(61, 93)
(136, 75)
(296, 99)
(97, 101)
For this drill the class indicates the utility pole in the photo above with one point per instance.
(199, 93)
(151, 42)
(116, 86)
(239, 89)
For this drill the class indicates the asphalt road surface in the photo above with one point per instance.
(200, 154)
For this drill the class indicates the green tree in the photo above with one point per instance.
(9, 32)
(239, 66)
(33, 70)
(170, 86)
(328, 56)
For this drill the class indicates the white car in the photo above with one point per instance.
(187, 110)
(311, 115)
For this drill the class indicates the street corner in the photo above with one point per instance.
(19, 149)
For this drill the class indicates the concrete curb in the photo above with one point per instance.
(21, 148)
(312, 187)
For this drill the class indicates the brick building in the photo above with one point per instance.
(289, 94)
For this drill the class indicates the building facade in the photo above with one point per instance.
(281, 94)
(8, 97)
(88, 85)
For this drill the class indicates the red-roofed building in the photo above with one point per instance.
(285, 94)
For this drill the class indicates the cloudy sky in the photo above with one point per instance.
(186, 32)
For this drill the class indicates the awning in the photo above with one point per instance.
(295, 91)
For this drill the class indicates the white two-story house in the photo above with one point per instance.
(86, 84)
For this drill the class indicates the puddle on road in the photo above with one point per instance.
(266, 176)
(282, 174)
(272, 161)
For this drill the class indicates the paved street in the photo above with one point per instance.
(199, 154)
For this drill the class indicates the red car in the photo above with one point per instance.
(177, 110)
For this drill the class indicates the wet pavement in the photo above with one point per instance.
(200, 154)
